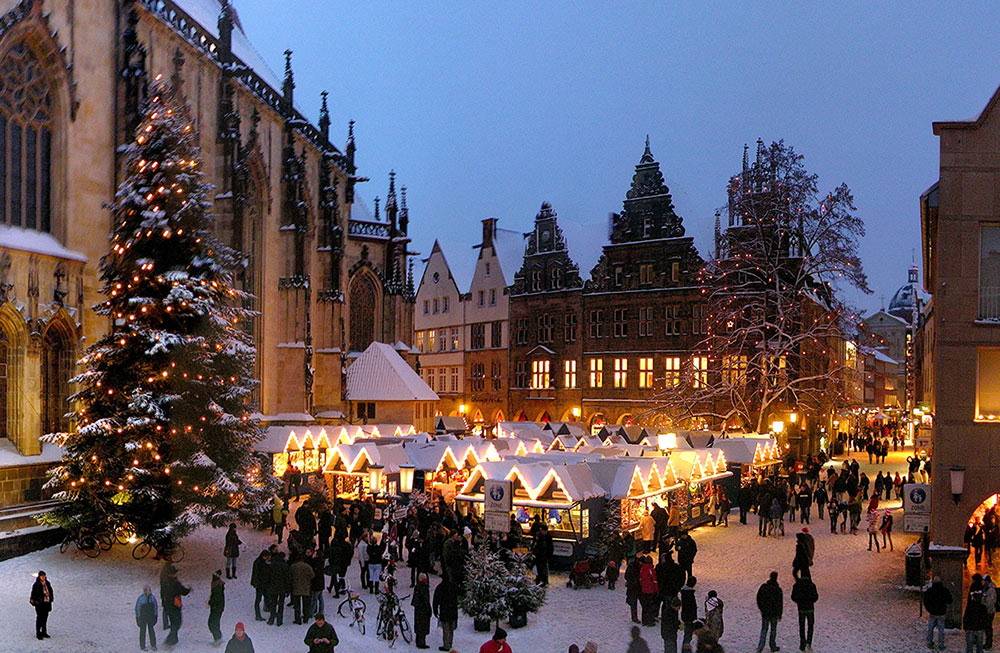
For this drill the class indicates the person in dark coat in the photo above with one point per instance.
(638, 644)
(686, 551)
(689, 610)
(937, 598)
(278, 587)
(421, 603)
(41, 598)
(306, 521)
(341, 553)
(240, 642)
(416, 557)
(804, 595)
(670, 624)
(321, 637)
(232, 550)
(802, 561)
(258, 581)
(324, 528)
(173, 604)
(302, 577)
(632, 591)
(146, 614)
(820, 497)
(446, 610)
(216, 604)
(164, 584)
(611, 574)
(543, 550)
(770, 601)
(976, 618)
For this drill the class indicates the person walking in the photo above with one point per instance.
(632, 589)
(279, 515)
(769, 601)
(647, 532)
(258, 581)
(886, 528)
(686, 552)
(937, 598)
(820, 498)
(240, 642)
(776, 513)
(804, 595)
(713, 615)
(146, 614)
(670, 623)
(804, 501)
(649, 591)
(543, 550)
(725, 505)
(232, 550)
(421, 603)
(321, 636)
(174, 604)
(990, 601)
(216, 604)
(164, 586)
(324, 528)
(689, 611)
(445, 608)
(302, 577)
(498, 643)
(637, 645)
(975, 618)
(279, 585)
(673, 521)
(873, 524)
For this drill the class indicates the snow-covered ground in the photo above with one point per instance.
(861, 605)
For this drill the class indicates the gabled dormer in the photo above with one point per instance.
(547, 266)
(648, 210)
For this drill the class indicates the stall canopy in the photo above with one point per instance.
(635, 478)
(699, 465)
(749, 451)
(576, 429)
(447, 424)
(536, 484)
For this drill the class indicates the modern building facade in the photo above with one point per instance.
(328, 278)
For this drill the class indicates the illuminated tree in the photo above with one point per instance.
(775, 321)
(163, 438)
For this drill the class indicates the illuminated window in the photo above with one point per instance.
(539, 375)
(596, 372)
(431, 340)
(699, 371)
(988, 384)
(569, 374)
(455, 339)
(645, 274)
(734, 369)
(420, 341)
(675, 271)
(621, 372)
(646, 372)
(673, 371)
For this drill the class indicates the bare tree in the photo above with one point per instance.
(774, 320)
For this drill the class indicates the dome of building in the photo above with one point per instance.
(905, 301)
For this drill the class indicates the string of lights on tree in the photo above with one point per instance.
(163, 439)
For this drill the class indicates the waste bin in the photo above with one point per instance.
(914, 566)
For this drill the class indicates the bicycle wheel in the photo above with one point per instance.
(176, 554)
(65, 545)
(404, 627)
(105, 540)
(359, 619)
(88, 544)
(341, 608)
(141, 550)
(124, 534)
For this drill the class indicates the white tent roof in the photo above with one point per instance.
(379, 374)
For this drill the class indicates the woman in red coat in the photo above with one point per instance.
(649, 591)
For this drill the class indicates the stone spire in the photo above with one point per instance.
(647, 156)
(225, 25)
(288, 87)
(324, 117)
(404, 213)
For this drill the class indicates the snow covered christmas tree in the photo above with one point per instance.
(163, 440)
(486, 586)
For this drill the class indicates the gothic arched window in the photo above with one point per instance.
(57, 366)
(363, 299)
(26, 115)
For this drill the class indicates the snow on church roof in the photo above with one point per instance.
(379, 374)
(36, 242)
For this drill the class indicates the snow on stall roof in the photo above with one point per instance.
(380, 374)
(36, 242)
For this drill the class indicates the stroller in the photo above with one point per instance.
(587, 572)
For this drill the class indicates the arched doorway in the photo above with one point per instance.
(57, 369)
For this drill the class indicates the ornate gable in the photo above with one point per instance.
(648, 209)
(547, 266)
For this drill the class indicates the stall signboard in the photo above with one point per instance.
(399, 514)
(497, 522)
(916, 499)
(497, 495)
(562, 548)
(916, 523)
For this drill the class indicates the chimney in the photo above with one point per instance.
(489, 231)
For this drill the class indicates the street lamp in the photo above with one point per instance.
(576, 412)
(666, 441)
(793, 417)
(406, 479)
(957, 483)
(375, 479)
(778, 426)
(461, 409)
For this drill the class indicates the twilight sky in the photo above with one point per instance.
(489, 109)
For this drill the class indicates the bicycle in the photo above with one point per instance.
(87, 542)
(391, 617)
(353, 606)
(171, 552)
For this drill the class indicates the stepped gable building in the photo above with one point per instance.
(328, 277)
(545, 318)
(642, 310)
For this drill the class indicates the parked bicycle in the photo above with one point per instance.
(353, 607)
(90, 543)
(391, 618)
(164, 550)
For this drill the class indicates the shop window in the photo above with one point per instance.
(673, 371)
(569, 374)
(988, 384)
(621, 372)
(539, 374)
(646, 372)
(596, 372)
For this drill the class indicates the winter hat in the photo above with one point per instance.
(499, 635)
(805, 529)
(41, 573)
(697, 625)
(240, 626)
(712, 594)
(468, 531)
